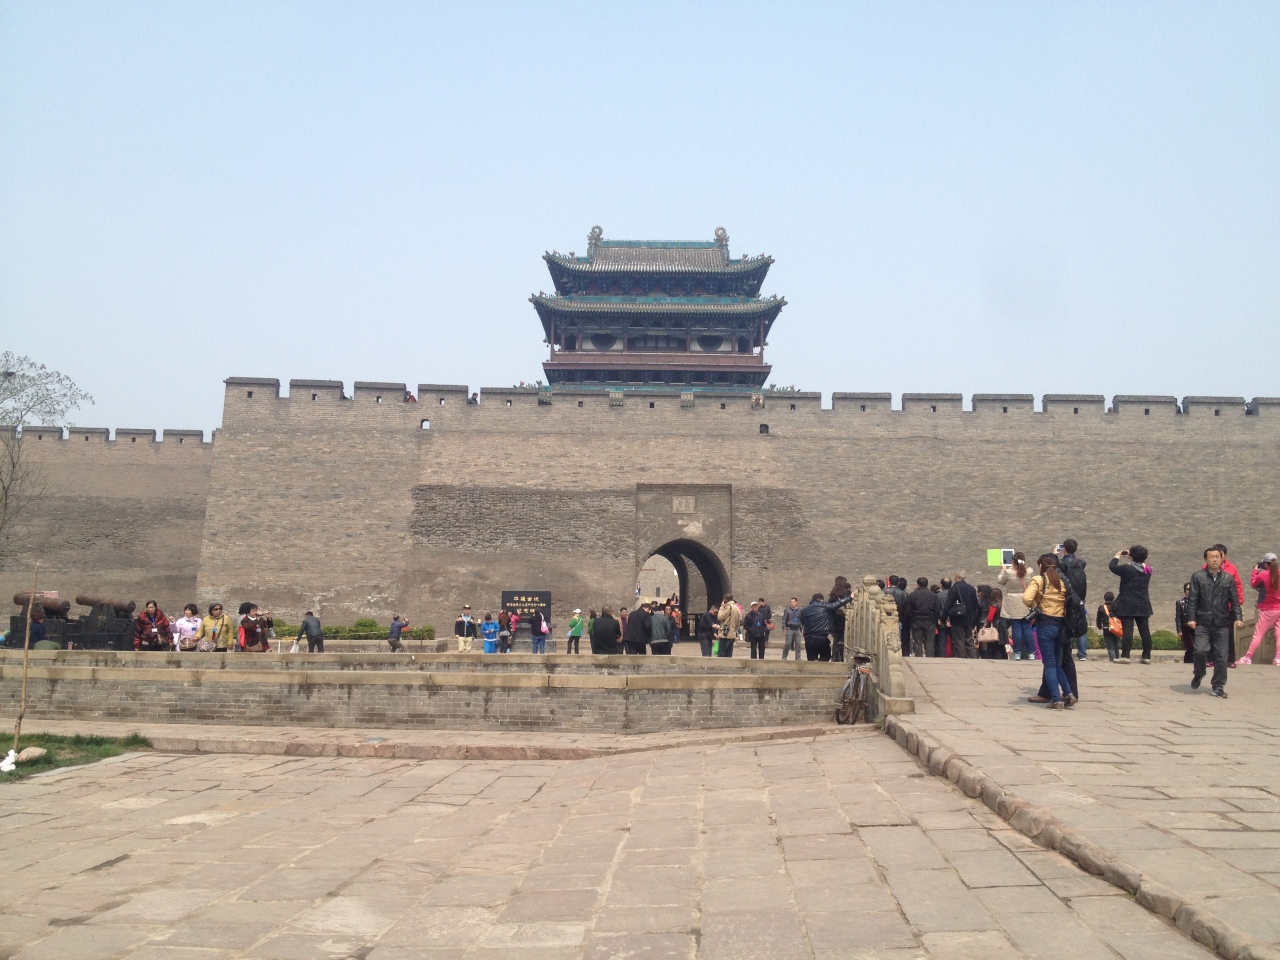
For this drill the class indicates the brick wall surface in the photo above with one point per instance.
(358, 507)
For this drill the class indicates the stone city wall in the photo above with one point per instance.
(370, 505)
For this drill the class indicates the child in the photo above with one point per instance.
(1110, 626)
(489, 631)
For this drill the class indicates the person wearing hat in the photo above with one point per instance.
(465, 629)
(756, 628)
(1265, 578)
(576, 625)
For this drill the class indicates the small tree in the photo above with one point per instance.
(30, 394)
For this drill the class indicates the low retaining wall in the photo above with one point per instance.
(441, 691)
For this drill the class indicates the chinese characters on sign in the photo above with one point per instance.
(525, 602)
(684, 504)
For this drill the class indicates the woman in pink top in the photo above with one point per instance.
(1266, 576)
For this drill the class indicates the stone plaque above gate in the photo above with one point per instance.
(684, 504)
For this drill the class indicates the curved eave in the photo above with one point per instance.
(611, 313)
(597, 267)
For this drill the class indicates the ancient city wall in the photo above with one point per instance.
(366, 505)
(120, 517)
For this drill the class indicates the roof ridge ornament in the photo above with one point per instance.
(593, 240)
(722, 238)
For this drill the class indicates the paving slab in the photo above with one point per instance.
(1183, 786)
(813, 848)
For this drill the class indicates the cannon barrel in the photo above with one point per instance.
(121, 607)
(52, 608)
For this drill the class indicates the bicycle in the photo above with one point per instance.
(854, 696)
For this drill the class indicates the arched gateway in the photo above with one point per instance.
(701, 576)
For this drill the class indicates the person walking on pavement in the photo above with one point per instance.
(842, 588)
(1234, 573)
(661, 630)
(1048, 593)
(1213, 608)
(962, 613)
(311, 629)
(1072, 567)
(793, 631)
(1186, 634)
(920, 615)
(576, 627)
(636, 639)
(730, 620)
(1266, 578)
(816, 620)
(465, 629)
(606, 634)
(757, 630)
(217, 632)
(1133, 602)
(708, 626)
(1014, 610)
(398, 626)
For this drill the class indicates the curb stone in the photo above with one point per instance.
(1037, 824)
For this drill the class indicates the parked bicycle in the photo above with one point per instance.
(854, 697)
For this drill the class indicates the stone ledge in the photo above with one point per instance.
(426, 679)
(1037, 824)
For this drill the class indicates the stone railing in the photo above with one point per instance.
(871, 624)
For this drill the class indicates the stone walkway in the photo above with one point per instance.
(832, 848)
(1184, 787)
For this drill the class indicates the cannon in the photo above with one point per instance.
(102, 606)
(55, 609)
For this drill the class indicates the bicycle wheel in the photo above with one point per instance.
(859, 705)
(845, 709)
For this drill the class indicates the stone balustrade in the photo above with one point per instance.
(871, 624)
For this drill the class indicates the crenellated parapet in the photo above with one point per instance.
(97, 437)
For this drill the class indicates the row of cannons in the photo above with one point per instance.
(107, 626)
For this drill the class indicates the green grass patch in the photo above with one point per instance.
(68, 751)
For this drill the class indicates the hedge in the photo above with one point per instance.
(360, 630)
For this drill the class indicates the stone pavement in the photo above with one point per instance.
(831, 848)
(1180, 785)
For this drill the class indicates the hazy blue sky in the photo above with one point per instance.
(1027, 197)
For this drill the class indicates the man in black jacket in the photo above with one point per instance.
(920, 618)
(962, 614)
(606, 633)
(1213, 607)
(815, 618)
(637, 639)
(1072, 567)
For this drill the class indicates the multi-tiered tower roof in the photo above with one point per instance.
(657, 313)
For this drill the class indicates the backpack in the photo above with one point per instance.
(1074, 614)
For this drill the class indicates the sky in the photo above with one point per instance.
(976, 198)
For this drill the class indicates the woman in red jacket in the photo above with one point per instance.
(151, 631)
(1266, 576)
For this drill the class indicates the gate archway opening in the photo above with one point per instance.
(695, 572)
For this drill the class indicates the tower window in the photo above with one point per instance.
(933, 408)
(249, 394)
(764, 429)
(650, 404)
(133, 439)
(1004, 409)
(1146, 411)
(793, 406)
(442, 401)
(508, 403)
(1075, 409)
(426, 424)
(179, 439)
(378, 398)
(579, 403)
(315, 396)
(1216, 412)
(864, 408)
(722, 406)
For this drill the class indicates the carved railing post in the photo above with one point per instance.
(871, 624)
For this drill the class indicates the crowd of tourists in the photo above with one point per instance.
(250, 630)
(1040, 615)
(654, 625)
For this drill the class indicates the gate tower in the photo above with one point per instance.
(674, 315)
